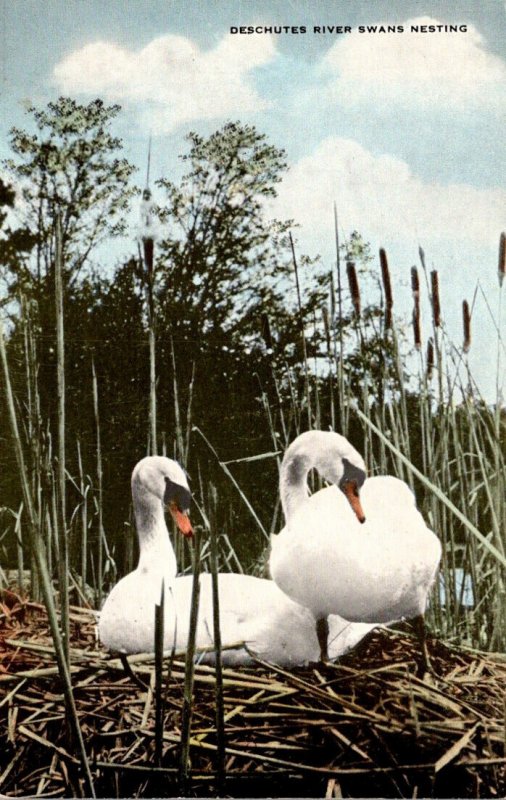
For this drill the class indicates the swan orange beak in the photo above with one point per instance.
(350, 490)
(181, 519)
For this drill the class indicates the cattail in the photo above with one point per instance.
(148, 234)
(415, 283)
(466, 319)
(354, 288)
(417, 332)
(436, 306)
(502, 258)
(415, 288)
(430, 358)
(387, 287)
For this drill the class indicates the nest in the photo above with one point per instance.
(367, 726)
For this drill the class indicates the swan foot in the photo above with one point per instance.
(322, 632)
(131, 674)
(420, 630)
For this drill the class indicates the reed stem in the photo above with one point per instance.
(186, 715)
(220, 708)
(37, 548)
(63, 563)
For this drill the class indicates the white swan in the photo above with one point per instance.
(252, 610)
(126, 622)
(358, 548)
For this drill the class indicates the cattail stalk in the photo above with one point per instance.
(502, 258)
(302, 332)
(177, 414)
(387, 288)
(415, 283)
(152, 357)
(84, 519)
(354, 287)
(18, 532)
(186, 714)
(220, 706)
(328, 340)
(189, 406)
(159, 699)
(430, 358)
(343, 408)
(101, 534)
(436, 319)
(34, 427)
(63, 564)
(466, 319)
(417, 331)
(415, 288)
(436, 305)
(148, 247)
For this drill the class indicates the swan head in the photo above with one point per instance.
(165, 479)
(335, 459)
(352, 479)
(339, 463)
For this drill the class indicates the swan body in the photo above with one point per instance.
(253, 611)
(371, 561)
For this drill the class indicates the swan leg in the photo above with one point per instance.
(322, 632)
(131, 674)
(418, 624)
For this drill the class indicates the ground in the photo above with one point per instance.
(368, 726)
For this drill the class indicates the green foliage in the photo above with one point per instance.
(70, 167)
(219, 245)
(15, 245)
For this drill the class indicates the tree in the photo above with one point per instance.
(70, 167)
(222, 266)
(219, 241)
(15, 245)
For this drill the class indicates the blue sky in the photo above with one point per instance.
(404, 131)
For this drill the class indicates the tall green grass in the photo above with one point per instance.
(431, 428)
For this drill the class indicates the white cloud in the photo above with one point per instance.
(458, 225)
(172, 79)
(425, 69)
(384, 200)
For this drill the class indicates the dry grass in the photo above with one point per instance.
(367, 726)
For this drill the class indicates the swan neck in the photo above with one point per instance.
(293, 483)
(154, 542)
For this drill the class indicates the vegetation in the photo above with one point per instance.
(214, 341)
(250, 344)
